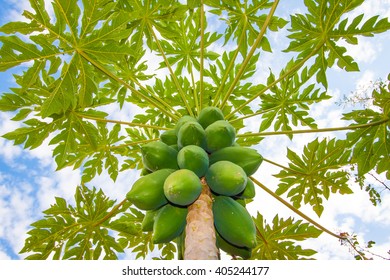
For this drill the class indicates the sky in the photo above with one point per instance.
(29, 182)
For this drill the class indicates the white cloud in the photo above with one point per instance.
(4, 255)
(7, 149)
(365, 51)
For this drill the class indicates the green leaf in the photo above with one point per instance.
(14, 52)
(75, 232)
(371, 144)
(323, 27)
(370, 27)
(316, 174)
(62, 97)
(278, 241)
(32, 135)
(288, 103)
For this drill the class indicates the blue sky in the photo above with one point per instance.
(28, 181)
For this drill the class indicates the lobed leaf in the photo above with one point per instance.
(314, 175)
(279, 240)
(75, 232)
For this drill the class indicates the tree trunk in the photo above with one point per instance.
(200, 241)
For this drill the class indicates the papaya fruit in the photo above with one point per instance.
(158, 155)
(231, 249)
(147, 193)
(182, 121)
(169, 137)
(169, 223)
(249, 192)
(233, 222)
(182, 187)
(148, 221)
(194, 158)
(191, 133)
(209, 115)
(219, 134)
(226, 178)
(249, 159)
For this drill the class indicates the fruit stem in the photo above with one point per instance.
(329, 129)
(97, 119)
(173, 75)
(250, 54)
(304, 216)
(200, 238)
(154, 100)
(201, 83)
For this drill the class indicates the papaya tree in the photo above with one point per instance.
(189, 74)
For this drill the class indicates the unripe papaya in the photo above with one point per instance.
(182, 121)
(169, 223)
(226, 178)
(233, 222)
(158, 155)
(169, 137)
(249, 159)
(209, 115)
(219, 134)
(191, 133)
(182, 187)
(148, 221)
(249, 192)
(233, 250)
(147, 192)
(193, 158)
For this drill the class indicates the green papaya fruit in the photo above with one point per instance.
(233, 222)
(209, 115)
(182, 187)
(226, 178)
(191, 133)
(194, 158)
(169, 223)
(169, 137)
(182, 121)
(148, 221)
(249, 192)
(147, 192)
(233, 250)
(249, 159)
(219, 134)
(158, 155)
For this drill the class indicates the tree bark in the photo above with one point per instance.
(200, 240)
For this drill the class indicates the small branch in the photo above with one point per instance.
(250, 54)
(153, 100)
(230, 66)
(281, 166)
(379, 181)
(288, 205)
(133, 143)
(175, 80)
(201, 83)
(113, 212)
(251, 115)
(291, 71)
(121, 122)
(288, 132)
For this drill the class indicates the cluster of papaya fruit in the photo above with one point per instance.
(197, 150)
